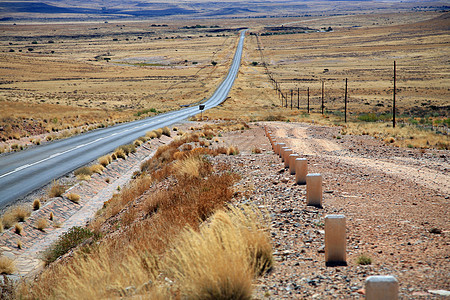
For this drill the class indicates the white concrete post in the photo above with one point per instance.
(280, 145)
(286, 154)
(282, 150)
(301, 170)
(381, 288)
(314, 189)
(335, 241)
(292, 159)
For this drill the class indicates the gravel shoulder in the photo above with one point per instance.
(392, 199)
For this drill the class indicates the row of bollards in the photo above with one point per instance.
(377, 287)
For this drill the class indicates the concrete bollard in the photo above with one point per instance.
(292, 159)
(287, 152)
(282, 150)
(381, 288)
(280, 145)
(301, 170)
(314, 189)
(335, 241)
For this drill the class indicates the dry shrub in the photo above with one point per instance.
(83, 171)
(97, 169)
(158, 132)
(105, 160)
(389, 140)
(18, 228)
(84, 177)
(1, 225)
(192, 166)
(36, 204)
(166, 131)
(221, 150)
(41, 224)
(15, 214)
(256, 150)
(137, 143)
(21, 212)
(75, 198)
(151, 135)
(120, 153)
(186, 147)
(232, 150)
(51, 216)
(56, 190)
(9, 219)
(113, 156)
(6, 265)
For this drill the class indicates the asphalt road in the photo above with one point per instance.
(23, 172)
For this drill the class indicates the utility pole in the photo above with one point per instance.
(395, 90)
(308, 101)
(345, 101)
(298, 98)
(291, 99)
(322, 96)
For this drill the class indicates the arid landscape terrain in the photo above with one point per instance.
(67, 67)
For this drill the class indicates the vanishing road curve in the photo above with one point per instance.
(26, 171)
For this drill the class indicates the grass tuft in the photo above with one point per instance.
(83, 171)
(97, 169)
(36, 204)
(41, 224)
(56, 190)
(232, 150)
(166, 131)
(105, 160)
(18, 228)
(75, 198)
(363, 260)
(218, 262)
(7, 265)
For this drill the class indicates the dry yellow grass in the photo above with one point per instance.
(15, 214)
(97, 168)
(220, 261)
(36, 204)
(105, 160)
(18, 228)
(6, 265)
(41, 224)
(56, 190)
(75, 198)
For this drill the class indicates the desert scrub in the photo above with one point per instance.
(105, 160)
(256, 150)
(166, 131)
(56, 190)
(69, 240)
(6, 265)
(97, 169)
(36, 204)
(75, 198)
(83, 171)
(232, 150)
(363, 260)
(15, 214)
(18, 228)
(41, 224)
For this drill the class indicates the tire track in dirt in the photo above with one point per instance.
(421, 171)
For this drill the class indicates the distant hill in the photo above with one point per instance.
(141, 9)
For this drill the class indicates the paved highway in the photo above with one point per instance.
(28, 170)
